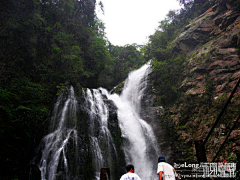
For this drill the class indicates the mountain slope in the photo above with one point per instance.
(211, 69)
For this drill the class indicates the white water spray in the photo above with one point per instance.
(140, 142)
(55, 143)
(100, 136)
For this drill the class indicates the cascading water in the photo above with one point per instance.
(102, 146)
(80, 142)
(62, 129)
(140, 145)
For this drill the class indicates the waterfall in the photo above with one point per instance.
(62, 129)
(140, 145)
(98, 130)
(102, 146)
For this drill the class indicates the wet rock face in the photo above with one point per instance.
(163, 127)
(211, 43)
(115, 130)
(212, 57)
(152, 115)
(195, 34)
(215, 21)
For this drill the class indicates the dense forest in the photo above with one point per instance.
(47, 45)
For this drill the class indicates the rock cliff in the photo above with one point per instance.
(211, 43)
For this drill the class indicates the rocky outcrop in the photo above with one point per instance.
(115, 130)
(151, 115)
(211, 43)
(163, 127)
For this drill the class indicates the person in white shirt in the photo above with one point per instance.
(165, 170)
(130, 175)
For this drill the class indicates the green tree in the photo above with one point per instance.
(166, 78)
(43, 44)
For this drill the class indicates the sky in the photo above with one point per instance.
(133, 21)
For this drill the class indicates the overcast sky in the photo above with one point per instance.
(132, 21)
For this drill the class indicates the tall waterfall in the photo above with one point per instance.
(83, 135)
(140, 144)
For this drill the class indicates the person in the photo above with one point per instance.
(130, 175)
(165, 170)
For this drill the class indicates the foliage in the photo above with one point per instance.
(232, 159)
(23, 107)
(45, 47)
(125, 59)
(166, 78)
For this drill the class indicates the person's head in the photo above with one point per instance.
(161, 159)
(130, 167)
